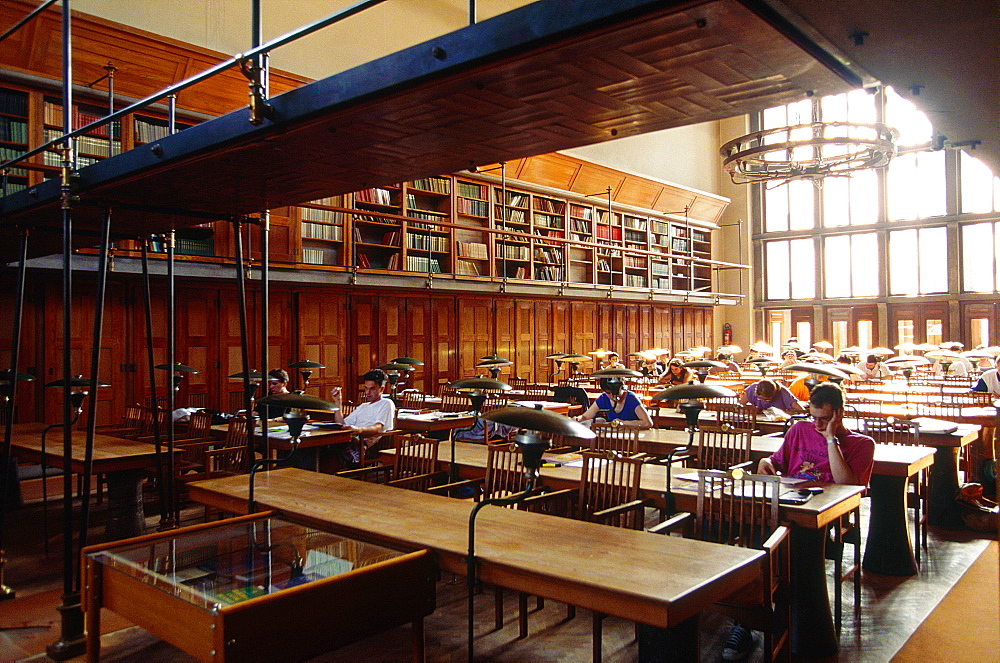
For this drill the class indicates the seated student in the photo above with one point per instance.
(676, 373)
(619, 404)
(727, 359)
(822, 450)
(873, 368)
(800, 389)
(789, 357)
(768, 393)
(369, 419)
(277, 383)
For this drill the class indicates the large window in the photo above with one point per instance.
(791, 269)
(915, 186)
(851, 265)
(980, 188)
(918, 261)
(980, 251)
(851, 201)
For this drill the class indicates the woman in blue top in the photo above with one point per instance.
(619, 404)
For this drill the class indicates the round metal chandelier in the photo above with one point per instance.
(808, 151)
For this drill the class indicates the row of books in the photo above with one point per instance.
(322, 215)
(12, 187)
(329, 201)
(581, 212)
(322, 231)
(603, 265)
(514, 199)
(548, 273)
(8, 153)
(608, 232)
(661, 269)
(635, 280)
(13, 102)
(635, 261)
(433, 184)
(426, 242)
(467, 268)
(53, 113)
(147, 131)
(471, 207)
(471, 190)
(425, 215)
(543, 254)
(473, 250)
(549, 205)
(577, 225)
(635, 222)
(92, 145)
(548, 221)
(681, 245)
(513, 251)
(374, 196)
(635, 236)
(318, 256)
(422, 264)
(519, 273)
(13, 131)
(513, 216)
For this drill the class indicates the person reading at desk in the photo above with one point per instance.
(277, 383)
(374, 416)
(620, 405)
(874, 369)
(822, 450)
(676, 373)
(768, 393)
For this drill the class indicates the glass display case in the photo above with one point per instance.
(257, 587)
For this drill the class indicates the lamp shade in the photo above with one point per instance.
(616, 373)
(77, 381)
(479, 384)
(408, 360)
(252, 375)
(298, 402)
(175, 368)
(704, 363)
(540, 421)
(24, 377)
(494, 362)
(395, 367)
(818, 368)
(637, 355)
(881, 352)
(494, 357)
(556, 355)
(306, 364)
(943, 354)
(576, 358)
(908, 359)
(731, 349)
(976, 354)
(681, 391)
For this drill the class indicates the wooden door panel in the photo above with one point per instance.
(476, 329)
(322, 338)
(505, 333)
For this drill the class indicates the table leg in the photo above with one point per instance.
(888, 550)
(941, 509)
(813, 633)
(125, 515)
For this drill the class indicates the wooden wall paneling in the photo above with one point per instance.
(322, 337)
(544, 323)
(392, 328)
(676, 330)
(622, 329)
(418, 339)
(111, 400)
(642, 338)
(605, 331)
(230, 349)
(583, 338)
(689, 328)
(366, 335)
(525, 333)
(476, 325)
(445, 342)
(504, 335)
(197, 345)
(662, 333)
(280, 330)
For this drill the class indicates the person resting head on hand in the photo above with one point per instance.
(618, 406)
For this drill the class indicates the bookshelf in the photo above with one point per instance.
(428, 202)
(100, 143)
(148, 129)
(321, 226)
(472, 212)
(13, 137)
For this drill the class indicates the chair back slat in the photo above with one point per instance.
(504, 471)
(736, 508)
(413, 400)
(737, 416)
(718, 450)
(619, 439)
(200, 424)
(609, 480)
(891, 432)
(415, 454)
(455, 403)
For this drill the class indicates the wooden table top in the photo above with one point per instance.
(834, 501)
(657, 580)
(111, 454)
(890, 459)
(278, 437)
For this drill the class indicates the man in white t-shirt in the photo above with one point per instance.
(372, 417)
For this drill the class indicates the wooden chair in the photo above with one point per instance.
(230, 457)
(455, 403)
(413, 400)
(537, 392)
(517, 382)
(609, 494)
(718, 450)
(908, 433)
(742, 510)
(619, 439)
(130, 424)
(737, 416)
(415, 465)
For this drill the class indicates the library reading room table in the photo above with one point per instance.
(813, 633)
(123, 462)
(657, 580)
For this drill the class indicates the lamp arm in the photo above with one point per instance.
(668, 495)
(470, 560)
(263, 462)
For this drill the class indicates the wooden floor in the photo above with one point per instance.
(892, 608)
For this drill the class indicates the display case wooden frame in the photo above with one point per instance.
(294, 622)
